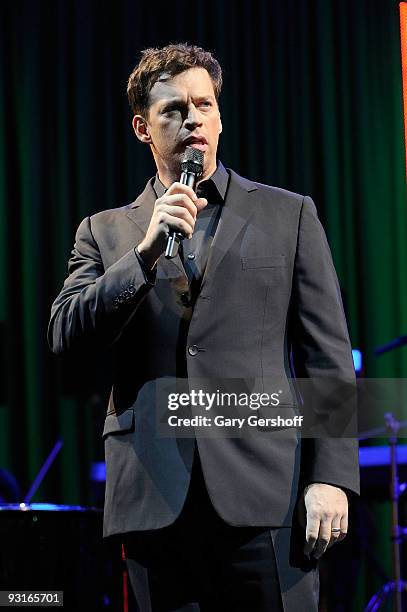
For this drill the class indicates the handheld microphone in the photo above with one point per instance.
(191, 171)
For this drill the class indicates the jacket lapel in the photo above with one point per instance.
(236, 212)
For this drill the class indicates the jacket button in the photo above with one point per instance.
(193, 350)
(191, 256)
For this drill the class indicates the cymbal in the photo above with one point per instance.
(380, 432)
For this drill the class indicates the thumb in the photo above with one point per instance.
(200, 203)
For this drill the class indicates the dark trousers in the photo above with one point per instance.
(200, 563)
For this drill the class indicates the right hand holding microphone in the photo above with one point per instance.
(176, 211)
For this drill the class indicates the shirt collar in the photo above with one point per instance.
(220, 179)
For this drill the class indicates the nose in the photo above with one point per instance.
(192, 120)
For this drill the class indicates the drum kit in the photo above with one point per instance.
(52, 547)
(396, 587)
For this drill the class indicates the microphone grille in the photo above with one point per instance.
(192, 161)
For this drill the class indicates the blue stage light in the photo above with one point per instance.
(357, 359)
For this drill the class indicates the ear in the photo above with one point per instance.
(141, 130)
(220, 125)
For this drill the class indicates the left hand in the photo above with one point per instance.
(323, 507)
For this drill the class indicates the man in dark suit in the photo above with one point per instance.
(210, 520)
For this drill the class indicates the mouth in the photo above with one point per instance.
(197, 142)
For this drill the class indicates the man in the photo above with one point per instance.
(211, 520)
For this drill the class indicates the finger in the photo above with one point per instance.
(335, 531)
(180, 212)
(344, 527)
(178, 199)
(200, 203)
(175, 224)
(193, 208)
(324, 538)
(311, 533)
(180, 188)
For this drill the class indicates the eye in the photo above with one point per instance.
(172, 108)
(206, 103)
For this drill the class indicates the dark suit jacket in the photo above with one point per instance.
(269, 287)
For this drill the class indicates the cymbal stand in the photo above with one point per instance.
(397, 585)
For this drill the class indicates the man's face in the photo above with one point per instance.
(183, 112)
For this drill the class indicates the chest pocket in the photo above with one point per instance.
(272, 261)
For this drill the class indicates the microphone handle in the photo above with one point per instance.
(174, 239)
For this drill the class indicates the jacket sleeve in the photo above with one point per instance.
(95, 304)
(321, 353)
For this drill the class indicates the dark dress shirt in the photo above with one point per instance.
(194, 252)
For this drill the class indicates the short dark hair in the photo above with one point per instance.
(172, 60)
